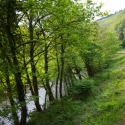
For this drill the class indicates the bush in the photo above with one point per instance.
(82, 87)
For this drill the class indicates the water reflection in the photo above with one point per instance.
(30, 106)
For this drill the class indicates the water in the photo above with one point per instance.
(30, 106)
(30, 103)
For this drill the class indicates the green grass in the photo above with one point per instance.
(105, 106)
(113, 20)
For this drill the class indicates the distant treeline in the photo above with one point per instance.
(111, 15)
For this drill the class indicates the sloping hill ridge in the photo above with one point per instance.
(112, 20)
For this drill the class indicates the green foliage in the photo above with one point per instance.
(56, 114)
(104, 107)
(55, 41)
(112, 21)
(120, 31)
(109, 44)
(82, 87)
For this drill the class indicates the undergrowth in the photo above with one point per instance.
(105, 106)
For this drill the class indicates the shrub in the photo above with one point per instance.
(82, 87)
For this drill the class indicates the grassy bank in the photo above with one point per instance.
(105, 106)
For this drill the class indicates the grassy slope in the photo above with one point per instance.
(111, 21)
(106, 105)
(109, 100)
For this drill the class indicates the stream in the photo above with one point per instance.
(30, 106)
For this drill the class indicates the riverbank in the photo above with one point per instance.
(105, 106)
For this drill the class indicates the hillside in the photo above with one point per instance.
(111, 21)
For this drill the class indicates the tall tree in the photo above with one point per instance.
(9, 28)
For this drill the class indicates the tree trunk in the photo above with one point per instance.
(47, 85)
(17, 74)
(61, 69)
(27, 75)
(58, 73)
(89, 68)
(31, 87)
(33, 68)
(49, 92)
(12, 103)
(78, 72)
(6, 61)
